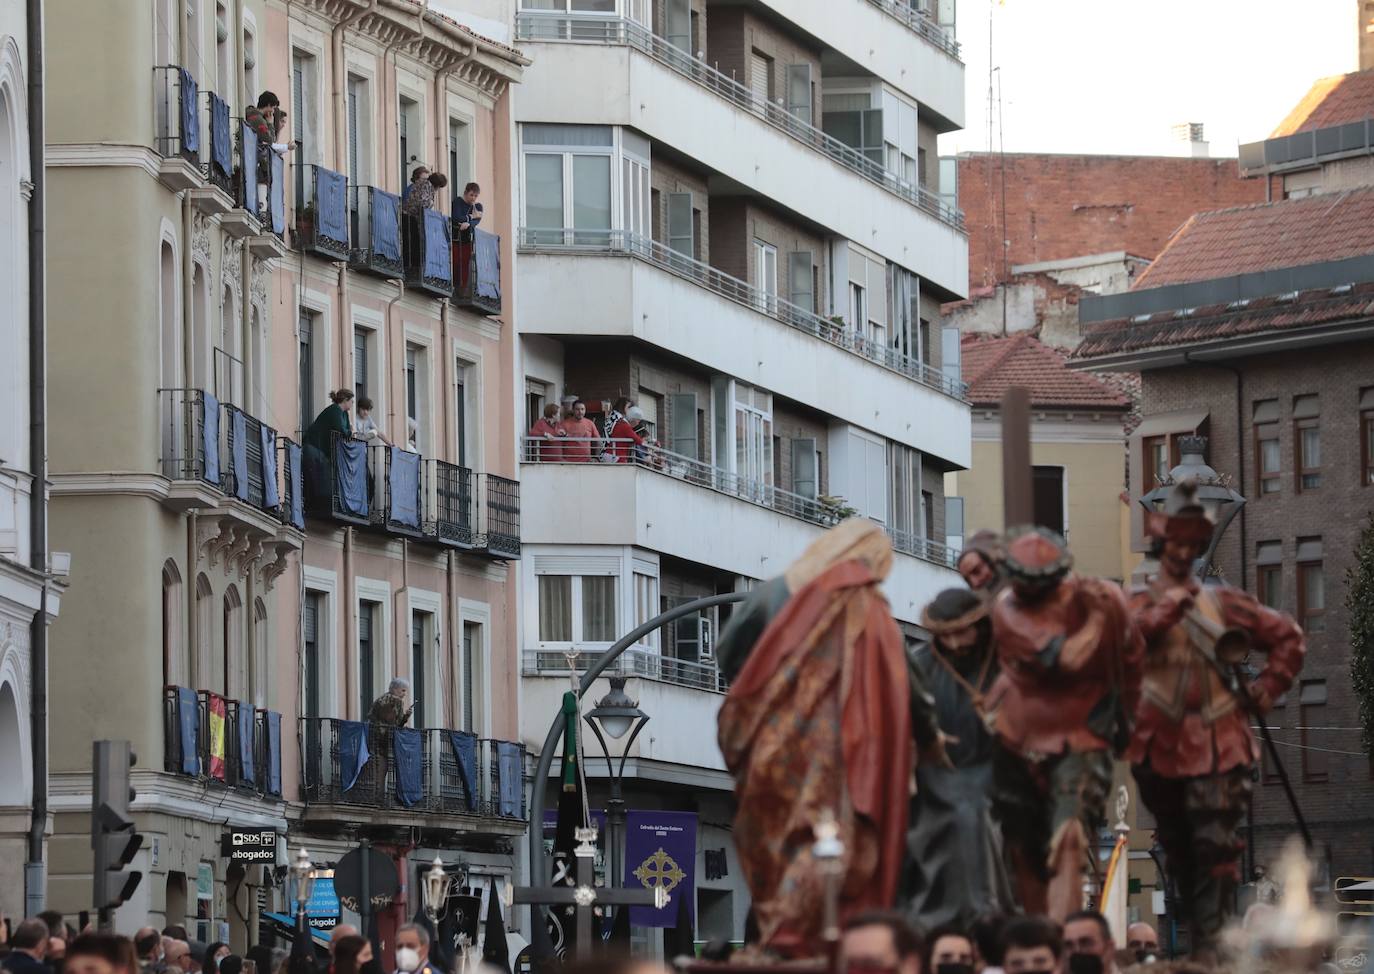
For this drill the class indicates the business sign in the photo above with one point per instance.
(322, 909)
(661, 852)
(249, 845)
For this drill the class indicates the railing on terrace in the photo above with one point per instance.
(322, 219)
(477, 271)
(219, 166)
(633, 662)
(441, 785)
(375, 223)
(249, 757)
(540, 26)
(428, 252)
(576, 450)
(920, 22)
(837, 333)
(177, 103)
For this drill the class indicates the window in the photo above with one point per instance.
(359, 134)
(414, 393)
(577, 608)
(900, 153)
(202, 671)
(636, 204)
(646, 606)
(568, 182)
(1311, 586)
(806, 467)
(224, 64)
(1269, 573)
(421, 625)
(361, 340)
(1367, 437)
(176, 668)
(858, 306)
(1311, 717)
(472, 650)
(205, 901)
(235, 676)
(868, 292)
(753, 436)
(1307, 443)
(1268, 465)
(303, 111)
(464, 411)
(312, 687)
(761, 76)
(682, 424)
(904, 495)
(1275, 720)
(910, 335)
(460, 168)
(411, 137)
(1047, 501)
(250, 65)
(928, 515)
(370, 639)
(305, 345)
(1156, 450)
(258, 676)
(536, 395)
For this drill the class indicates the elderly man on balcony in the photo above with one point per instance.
(390, 708)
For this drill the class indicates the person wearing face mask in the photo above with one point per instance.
(1088, 944)
(215, 953)
(148, 947)
(880, 942)
(1032, 945)
(412, 951)
(949, 951)
(1143, 941)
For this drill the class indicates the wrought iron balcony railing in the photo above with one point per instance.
(219, 164)
(222, 742)
(177, 103)
(322, 217)
(375, 226)
(428, 252)
(534, 25)
(835, 332)
(477, 271)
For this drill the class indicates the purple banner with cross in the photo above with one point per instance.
(661, 850)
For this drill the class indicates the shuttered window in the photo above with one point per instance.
(682, 412)
(472, 645)
(760, 75)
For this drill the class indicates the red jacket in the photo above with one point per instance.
(621, 433)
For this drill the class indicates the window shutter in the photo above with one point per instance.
(311, 619)
(682, 408)
(801, 286)
(758, 76)
(949, 353)
(678, 21)
(354, 176)
(360, 363)
(680, 223)
(470, 646)
(799, 91)
(805, 475)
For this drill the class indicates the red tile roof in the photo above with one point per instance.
(1266, 236)
(993, 365)
(1331, 101)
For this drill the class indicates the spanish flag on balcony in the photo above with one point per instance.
(217, 716)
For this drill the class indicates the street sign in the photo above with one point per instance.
(249, 845)
(1354, 889)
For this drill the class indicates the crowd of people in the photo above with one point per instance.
(566, 434)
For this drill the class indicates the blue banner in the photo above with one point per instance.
(438, 263)
(276, 194)
(188, 723)
(510, 777)
(350, 476)
(248, 767)
(273, 752)
(386, 225)
(353, 753)
(296, 484)
(209, 434)
(221, 154)
(331, 204)
(248, 167)
(238, 452)
(405, 487)
(465, 753)
(268, 438)
(405, 745)
(661, 850)
(190, 114)
(486, 254)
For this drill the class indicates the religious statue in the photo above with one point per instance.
(821, 720)
(980, 564)
(954, 869)
(1070, 674)
(1192, 751)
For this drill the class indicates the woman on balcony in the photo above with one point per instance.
(624, 441)
(318, 443)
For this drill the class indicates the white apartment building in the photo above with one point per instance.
(729, 213)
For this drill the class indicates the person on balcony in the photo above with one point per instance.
(467, 212)
(365, 427)
(545, 434)
(415, 199)
(620, 434)
(583, 441)
(268, 122)
(318, 443)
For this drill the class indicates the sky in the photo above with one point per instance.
(1112, 76)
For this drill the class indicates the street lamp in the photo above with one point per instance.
(1214, 492)
(617, 715)
(437, 883)
(304, 872)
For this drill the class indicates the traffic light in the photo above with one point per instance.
(112, 829)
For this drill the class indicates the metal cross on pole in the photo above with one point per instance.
(586, 895)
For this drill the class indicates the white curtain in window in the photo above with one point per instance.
(598, 609)
(646, 606)
(555, 608)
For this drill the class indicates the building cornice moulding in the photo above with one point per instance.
(102, 154)
(110, 482)
(162, 793)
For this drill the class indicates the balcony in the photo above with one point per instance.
(216, 197)
(395, 775)
(537, 26)
(247, 757)
(176, 102)
(322, 222)
(400, 492)
(271, 242)
(920, 23)
(634, 662)
(245, 220)
(477, 267)
(375, 217)
(428, 253)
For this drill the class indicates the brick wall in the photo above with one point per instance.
(1061, 206)
(1341, 810)
(733, 34)
(665, 178)
(736, 223)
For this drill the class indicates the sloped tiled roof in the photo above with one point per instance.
(1331, 101)
(993, 365)
(1266, 236)
(1169, 329)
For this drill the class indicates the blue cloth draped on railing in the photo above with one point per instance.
(188, 723)
(270, 496)
(486, 253)
(238, 452)
(276, 198)
(350, 476)
(386, 225)
(248, 770)
(297, 474)
(209, 433)
(509, 777)
(438, 263)
(353, 753)
(331, 204)
(405, 745)
(465, 753)
(405, 487)
(190, 114)
(248, 167)
(273, 752)
(221, 154)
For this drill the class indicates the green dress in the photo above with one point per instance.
(319, 449)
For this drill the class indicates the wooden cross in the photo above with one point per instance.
(585, 895)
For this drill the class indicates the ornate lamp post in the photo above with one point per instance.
(1214, 492)
(437, 884)
(303, 870)
(617, 715)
